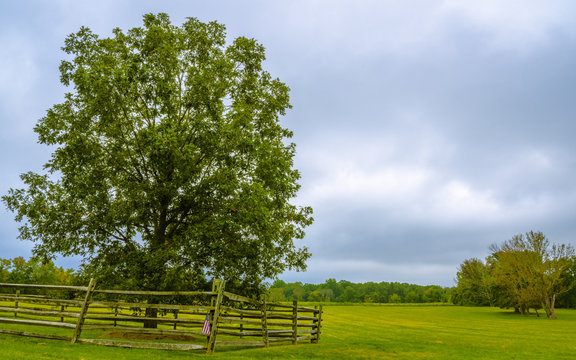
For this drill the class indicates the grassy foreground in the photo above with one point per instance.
(370, 332)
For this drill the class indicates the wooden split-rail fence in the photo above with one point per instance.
(171, 320)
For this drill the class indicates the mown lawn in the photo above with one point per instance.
(370, 332)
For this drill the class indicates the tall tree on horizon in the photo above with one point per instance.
(532, 271)
(475, 282)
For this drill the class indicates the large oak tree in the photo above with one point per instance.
(168, 158)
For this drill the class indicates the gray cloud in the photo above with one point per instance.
(425, 130)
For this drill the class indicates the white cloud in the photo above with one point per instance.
(354, 184)
(457, 200)
(416, 192)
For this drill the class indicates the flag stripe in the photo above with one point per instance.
(206, 327)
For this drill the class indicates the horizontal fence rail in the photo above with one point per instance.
(146, 319)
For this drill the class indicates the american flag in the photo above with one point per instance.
(206, 327)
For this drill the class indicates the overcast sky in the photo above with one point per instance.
(425, 130)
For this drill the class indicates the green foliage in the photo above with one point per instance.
(35, 271)
(348, 292)
(524, 272)
(476, 285)
(169, 161)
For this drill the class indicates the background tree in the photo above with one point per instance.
(369, 292)
(335, 286)
(475, 283)
(432, 294)
(168, 158)
(34, 271)
(298, 292)
(524, 272)
(568, 298)
(276, 294)
(534, 270)
(4, 270)
(513, 272)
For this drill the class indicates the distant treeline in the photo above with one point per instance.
(35, 271)
(348, 292)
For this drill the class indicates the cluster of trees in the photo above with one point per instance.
(524, 272)
(35, 271)
(370, 292)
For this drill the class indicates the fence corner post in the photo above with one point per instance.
(295, 322)
(83, 310)
(218, 287)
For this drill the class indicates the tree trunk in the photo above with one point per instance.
(549, 307)
(523, 309)
(151, 313)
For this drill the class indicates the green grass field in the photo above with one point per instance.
(370, 332)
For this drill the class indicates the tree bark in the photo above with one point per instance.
(151, 313)
(549, 307)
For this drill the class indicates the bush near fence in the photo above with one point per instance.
(86, 314)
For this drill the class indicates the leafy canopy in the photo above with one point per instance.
(169, 157)
(524, 272)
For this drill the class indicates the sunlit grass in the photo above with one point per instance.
(371, 332)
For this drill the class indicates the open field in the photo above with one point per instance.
(370, 332)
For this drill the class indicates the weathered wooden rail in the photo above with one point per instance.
(118, 317)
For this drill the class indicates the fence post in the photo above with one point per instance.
(16, 303)
(265, 322)
(318, 323)
(295, 322)
(175, 317)
(62, 312)
(217, 285)
(83, 310)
